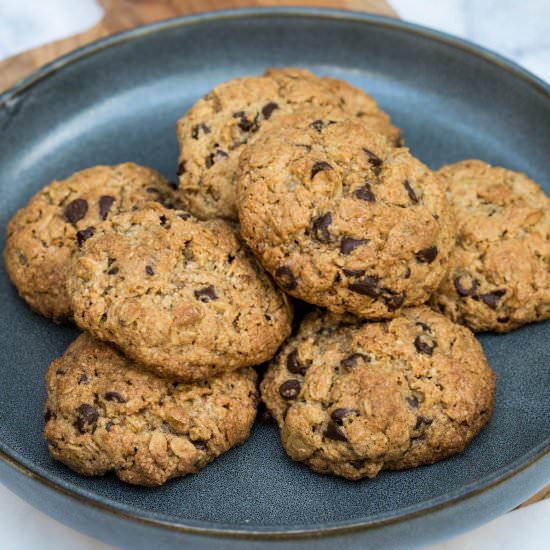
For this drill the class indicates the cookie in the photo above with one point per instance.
(185, 298)
(342, 219)
(499, 276)
(352, 398)
(42, 236)
(103, 414)
(215, 130)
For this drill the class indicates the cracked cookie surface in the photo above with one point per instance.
(499, 276)
(352, 398)
(215, 130)
(42, 236)
(104, 414)
(185, 298)
(341, 219)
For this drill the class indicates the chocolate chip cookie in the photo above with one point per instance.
(499, 277)
(342, 219)
(183, 297)
(104, 414)
(42, 236)
(215, 130)
(352, 398)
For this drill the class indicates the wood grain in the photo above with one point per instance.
(122, 15)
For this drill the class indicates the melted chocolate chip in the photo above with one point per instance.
(351, 361)
(48, 415)
(293, 365)
(206, 294)
(245, 124)
(76, 210)
(407, 273)
(108, 426)
(491, 299)
(348, 245)
(211, 158)
(114, 396)
(290, 389)
(184, 215)
(424, 345)
(163, 219)
(196, 130)
(461, 288)
(365, 193)
(181, 168)
(200, 445)
(83, 379)
(319, 166)
(427, 255)
(353, 272)
(424, 326)
(319, 227)
(422, 420)
(357, 464)
(412, 401)
(105, 204)
(410, 191)
(268, 108)
(84, 234)
(149, 270)
(112, 271)
(286, 278)
(338, 415)
(334, 432)
(375, 160)
(173, 185)
(367, 286)
(393, 300)
(317, 125)
(86, 415)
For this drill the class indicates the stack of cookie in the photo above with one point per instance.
(304, 181)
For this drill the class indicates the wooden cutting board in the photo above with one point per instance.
(121, 15)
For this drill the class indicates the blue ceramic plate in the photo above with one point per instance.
(118, 100)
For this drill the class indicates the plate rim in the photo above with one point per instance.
(9, 100)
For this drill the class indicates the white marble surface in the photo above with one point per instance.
(515, 28)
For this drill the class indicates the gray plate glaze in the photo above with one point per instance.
(118, 100)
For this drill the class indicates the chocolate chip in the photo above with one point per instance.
(112, 271)
(83, 379)
(317, 125)
(410, 191)
(196, 130)
(268, 109)
(424, 344)
(286, 278)
(357, 464)
(334, 431)
(348, 245)
(181, 168)
(424, 326)
(422, 420)
(427, 255)
(290, 389)
(59, 372)
(407, 273)
(200, 445)
(338, 415)
(149, 270)
(491, 299)
(365, 193)
(105, 203)
(206, 294)
(173, 185)
(245, 124)
(393, 300)
(84, 234)
(412, 401)
(319, 227)
(503, 319)
(211, 159)
(230, 258)
(76, 210)
(319, 166)
(351, 361)
(293, 365)
(163, 219)
(48, 415)
(375, 160)
(108, 426)
(353, 272)
(86, 415)
(463, 290)
(367, 286)
(114, 396)
(184, 215)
